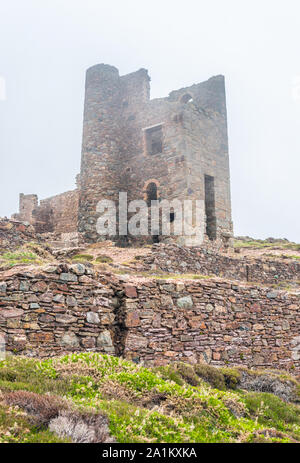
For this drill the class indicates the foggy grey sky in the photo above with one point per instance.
(46, 47)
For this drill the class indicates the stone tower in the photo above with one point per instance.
(166, 148)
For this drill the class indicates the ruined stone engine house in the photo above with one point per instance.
(153, 149)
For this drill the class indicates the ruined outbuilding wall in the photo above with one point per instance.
(66, 308)
(57, 214)
(27, 203)
(63, 215)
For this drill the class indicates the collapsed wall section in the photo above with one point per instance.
(14, 233)
(27, 203)
(57, 214)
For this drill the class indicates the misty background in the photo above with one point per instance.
(46, 47)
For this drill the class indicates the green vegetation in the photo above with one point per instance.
(174, 403)
(10, 259)
(259, 244)
(101, 259)
(15, 427)
(273, 412)
(82, 257)
(104, 259)
(27, 254)
(282, 256)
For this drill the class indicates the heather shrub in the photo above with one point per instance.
(81, 428)
(41, 408)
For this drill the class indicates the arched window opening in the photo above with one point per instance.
(187, 98)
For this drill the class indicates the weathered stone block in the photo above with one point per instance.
(34, 305)
(185, 302)
(71, 301)
(65, 319)
(13, 322)
(11, 313)
(92, 317)
(70, 339)
(41, 337)
(88, 342)
(135, 342)
(60, 298)
(132, 319)
(104, 340)
(258, 327)
(40, 286)
(107, 318)
(68, 277)
(3, 287)
(130, 291)
(46, 318)
(166, 300)
(24, 285)
(78, 269)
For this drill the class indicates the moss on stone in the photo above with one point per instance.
(83, 257)
(104, 259)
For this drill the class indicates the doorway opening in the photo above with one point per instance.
(210, 212)
(151, 193)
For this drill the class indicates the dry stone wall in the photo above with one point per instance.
(62, 308)
(171, 258)
(57, 309)
(212, 321)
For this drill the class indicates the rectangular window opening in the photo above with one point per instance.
(210, 212)
(154, 140)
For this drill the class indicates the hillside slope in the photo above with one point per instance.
(89, 397)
